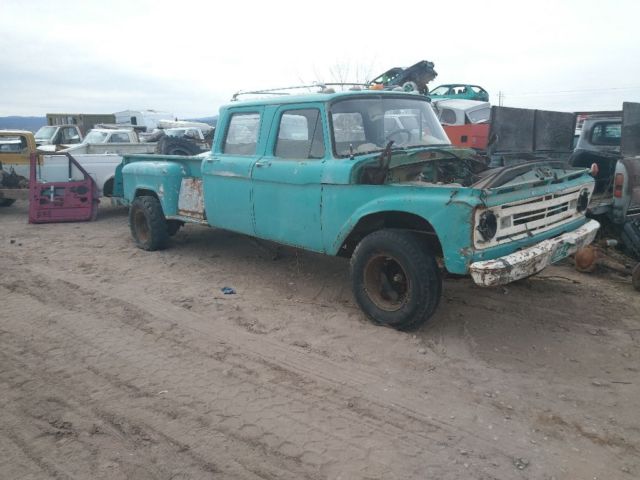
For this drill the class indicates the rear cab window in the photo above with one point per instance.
(13, 144)
(606, 133)
(242, 134)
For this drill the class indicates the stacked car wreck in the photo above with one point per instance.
(322, 172)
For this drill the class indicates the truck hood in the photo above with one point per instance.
(458, 167)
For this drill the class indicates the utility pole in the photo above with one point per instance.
(500, 97)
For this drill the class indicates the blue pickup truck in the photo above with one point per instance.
(370, 176)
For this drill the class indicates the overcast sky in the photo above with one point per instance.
(189, 57)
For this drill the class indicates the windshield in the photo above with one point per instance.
(95, 136)
(364, 125)
(479, 116)
(439, 91)
(45, 133)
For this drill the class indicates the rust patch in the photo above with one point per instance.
(191, 199)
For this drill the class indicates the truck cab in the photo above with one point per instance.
(58, 135)
(326, 172)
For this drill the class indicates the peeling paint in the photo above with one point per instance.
(191, 200)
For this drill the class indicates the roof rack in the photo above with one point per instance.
(279, 91)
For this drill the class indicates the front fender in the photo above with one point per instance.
(448, 210)
(162, 178)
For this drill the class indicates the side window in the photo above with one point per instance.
(69, 135)
(300, 135)
(448, 116)
(242, 134)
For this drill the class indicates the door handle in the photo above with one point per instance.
(263, 163)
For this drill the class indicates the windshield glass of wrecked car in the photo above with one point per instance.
(364, 125)
(45, 133)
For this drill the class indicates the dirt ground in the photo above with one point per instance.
(121, 364)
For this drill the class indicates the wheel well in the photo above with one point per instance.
(391, 220)
(142, 193)
(107, 189)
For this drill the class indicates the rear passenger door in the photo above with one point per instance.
(287, 179)
(226, 173)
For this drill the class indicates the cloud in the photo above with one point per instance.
(190, 58)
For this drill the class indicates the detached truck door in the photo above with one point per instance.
(226, 173)
(287, 179)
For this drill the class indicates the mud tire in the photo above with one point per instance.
(7, 202)
(630, 237)
(387, 251)
(169, 145)
(148, 226)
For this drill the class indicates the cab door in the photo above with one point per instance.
(287, 186)
(226, 173)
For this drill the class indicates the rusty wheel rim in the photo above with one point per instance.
(386, 282)
(141, 226)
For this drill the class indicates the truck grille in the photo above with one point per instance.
(526, 218)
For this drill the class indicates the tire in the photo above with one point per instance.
(173, 226)
(395, 279)
(7, 202)
(410, 86)
(169, 145)
(635, 277)
(147, 223)
(630, 237)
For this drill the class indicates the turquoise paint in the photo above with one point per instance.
(315, 203)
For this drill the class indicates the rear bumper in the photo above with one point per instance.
(527, 262)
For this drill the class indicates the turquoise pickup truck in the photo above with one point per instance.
(370, 176)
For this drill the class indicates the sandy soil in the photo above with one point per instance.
(117, 363)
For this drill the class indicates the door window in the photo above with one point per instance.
(242, 134)
(70, 135)
(300, 135)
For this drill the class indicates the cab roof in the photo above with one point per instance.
(6, 133)
(320, 97)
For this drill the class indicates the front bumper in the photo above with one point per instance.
(527, 262)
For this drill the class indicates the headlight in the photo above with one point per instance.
(487, 225)
(583, 201)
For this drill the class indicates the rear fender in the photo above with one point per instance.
(162, 178)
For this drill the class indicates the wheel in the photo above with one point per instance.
(147, 223)
(395, 279)
(169, 145)
(410, 86)
(173, 226)
(630, 237)
(7, 202)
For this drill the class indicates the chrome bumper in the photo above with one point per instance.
(527, 262)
